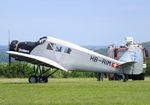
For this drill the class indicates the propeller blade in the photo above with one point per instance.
(9, 57)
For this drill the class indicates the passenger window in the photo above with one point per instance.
(50, 46)
(58, 48)
(67, 50)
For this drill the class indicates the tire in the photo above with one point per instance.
(43, 79)
(33, 79)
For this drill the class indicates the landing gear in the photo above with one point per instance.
(40, 79)
(33, 79)
(39, 75)
(43, 79)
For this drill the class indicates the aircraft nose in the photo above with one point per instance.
(13, 45)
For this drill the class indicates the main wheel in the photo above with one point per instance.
(33, 79)
(43, 79)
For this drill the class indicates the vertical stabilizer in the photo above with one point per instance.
(133, 54)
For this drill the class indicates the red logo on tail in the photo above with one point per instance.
(114, 65)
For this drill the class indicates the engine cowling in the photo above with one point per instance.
(13, 45)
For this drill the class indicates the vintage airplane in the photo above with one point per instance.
(63, 55)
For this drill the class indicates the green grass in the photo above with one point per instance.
(74, 91)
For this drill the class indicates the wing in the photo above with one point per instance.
(35, 60)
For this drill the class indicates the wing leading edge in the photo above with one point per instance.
(36, 59)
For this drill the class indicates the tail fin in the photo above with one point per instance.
(133, 60)
(131, 55)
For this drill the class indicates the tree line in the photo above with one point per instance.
(23, 70)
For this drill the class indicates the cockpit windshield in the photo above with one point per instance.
(42, 40)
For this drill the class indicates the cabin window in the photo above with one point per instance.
(50, 46)
(67, 50)
(58, 48)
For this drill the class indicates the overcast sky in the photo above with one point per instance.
(84, 22)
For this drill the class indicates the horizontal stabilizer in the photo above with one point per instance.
(127, 63)
(36, 59)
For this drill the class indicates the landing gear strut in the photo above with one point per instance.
(39, 75)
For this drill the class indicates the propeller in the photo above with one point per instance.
(9, 57)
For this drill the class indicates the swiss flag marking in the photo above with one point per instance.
(114, 65)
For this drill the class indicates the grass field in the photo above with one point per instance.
(74, 91)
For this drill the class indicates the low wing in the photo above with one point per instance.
(36, 60)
